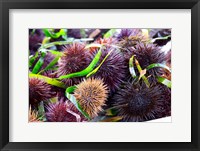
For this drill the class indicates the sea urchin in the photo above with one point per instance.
(75, 58)
(60, 112)
(139, 103)
(39, 91)
(91, 95)
(112, 71)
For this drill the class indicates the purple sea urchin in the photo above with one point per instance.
(39, 91)
(35, 39)
(112, 71)
(91, 95)
(129, 38)
(147, 54)
(166, 97)
(75, 58)
(125, 33)
(57, 112)
(139, 102)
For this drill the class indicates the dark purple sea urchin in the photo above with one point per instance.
(139, 103)
(91, 95)
(39, 91)
(112, 71)
(75, 58)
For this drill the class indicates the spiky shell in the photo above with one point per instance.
(39, 91)
(33, 115)
(138, 103)
(91, 95)
(112, 71)
(147, 54)
(60, 112)
(129, 38)
(75, 58)
(127, 32)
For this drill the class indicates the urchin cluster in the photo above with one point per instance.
(112, 71)
(39, 91)
(75, 58)
(91, 95)
(139, 103)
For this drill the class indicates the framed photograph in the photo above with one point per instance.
(103, 75)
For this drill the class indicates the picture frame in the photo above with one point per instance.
(6, 5)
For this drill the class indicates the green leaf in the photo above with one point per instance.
(41, 112)
(141, 72)
(156, 65)
(83, 33)
(39, 64)
(48, 80)
(164, 81)
(48, 45)
(55, 52)
(110, 33)
(46, 40)
(131, 67)
(32, 59)
(53, 100)
(49, 33)
(86, 70)
(97, 68)
(111, 112)
(75, 102)
(71, 89)
(160, 38)
(50, 65)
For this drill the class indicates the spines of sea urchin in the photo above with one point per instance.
(91, 95)
(112, 71)
(33, 115)
(129, 38)
(60, 112)
(75, 58)
(127, 32)
(39, 91)
(137, 103)
(147, 54)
